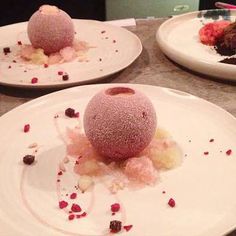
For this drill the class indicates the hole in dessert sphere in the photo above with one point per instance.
(120, 91)
(49, 9)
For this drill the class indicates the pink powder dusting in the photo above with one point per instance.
(50, 30)
(89, 162)
(120, 122)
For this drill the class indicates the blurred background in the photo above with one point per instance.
(13, 11)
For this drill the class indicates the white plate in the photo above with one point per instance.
(203, 186)
(178, 39)
(115, 56)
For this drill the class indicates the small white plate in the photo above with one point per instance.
(178, 39)
(203, 186)
(114, 48)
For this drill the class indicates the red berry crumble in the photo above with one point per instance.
(229, 152)
(127, 227)
(75, 208)
(27, 128)
(73, 196)
(63, 204)
(115, 207)
(171, 202)
(34, 80)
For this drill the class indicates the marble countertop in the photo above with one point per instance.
(151, 68)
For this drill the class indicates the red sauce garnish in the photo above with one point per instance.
(45, 65)
(211, 140)
(19, 43)
(206, 153)
(60, 72)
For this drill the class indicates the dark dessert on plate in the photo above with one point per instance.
(221, 35)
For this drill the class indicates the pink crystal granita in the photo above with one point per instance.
(120, 122)
(50, 29)
(161, 154)
(144, 167)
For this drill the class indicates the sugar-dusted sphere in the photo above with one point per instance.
(120, 122)
(51, 29)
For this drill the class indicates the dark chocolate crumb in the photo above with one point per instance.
(28, 159)
(229, 60)
(115, 226)
(65, 77)
(6, 50)
(223, 50)
(70, 112)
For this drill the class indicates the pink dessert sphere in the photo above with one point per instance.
(51, 29)
(120, 122)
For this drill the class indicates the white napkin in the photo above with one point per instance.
(123, 22)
